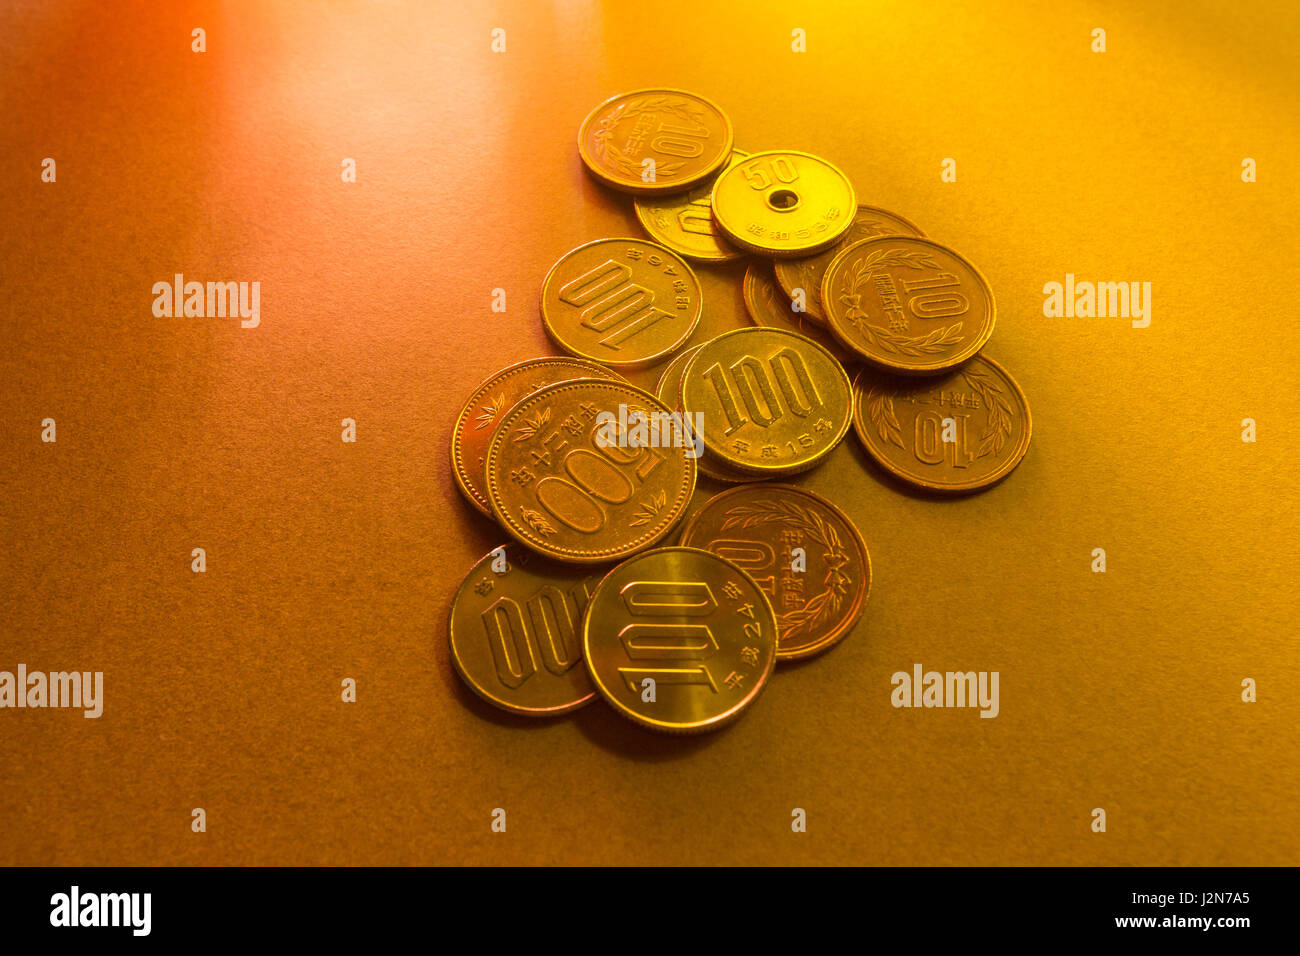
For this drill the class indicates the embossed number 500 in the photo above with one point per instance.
(576, 501)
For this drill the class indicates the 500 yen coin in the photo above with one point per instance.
(571, 475)
(478, 420)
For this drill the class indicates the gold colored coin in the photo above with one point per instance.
(956, 433)
(783, 203)
(627, 303)
(570, 475)
(684, 222)
(669, 391)
(655, 141)
(477, 422)
(757, 528)
(768, 306)
(772, 401)
(679, 640)
(804, 276)
(515, 633)
(908, 305)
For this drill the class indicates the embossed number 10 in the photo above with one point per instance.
(747, 393)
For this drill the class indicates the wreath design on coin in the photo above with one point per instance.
(861, 229)
(604, 134)
(836, 584)
(880, 410)
(883, 338)
(998, 426)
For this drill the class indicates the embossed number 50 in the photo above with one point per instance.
(781, 168)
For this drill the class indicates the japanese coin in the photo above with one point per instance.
(516, 635)
(669, 391)
(806, 273)
(477, 421)
(903, 423)
(773, 401)
(767, 305)
(626, 303)
(783, 203)
(684, 222)
(907, 304)
(817, 598)
(679, 640)
(565, 479)
(685, 137)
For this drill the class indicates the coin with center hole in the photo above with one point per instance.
(684, 222)
(783, 203)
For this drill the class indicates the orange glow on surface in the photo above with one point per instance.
(329, 560)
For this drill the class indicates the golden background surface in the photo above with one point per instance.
(329, 560)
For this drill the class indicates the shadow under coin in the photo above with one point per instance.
(602, 726)
(504, 718)
(894, 483)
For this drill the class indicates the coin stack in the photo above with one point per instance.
(589, 475)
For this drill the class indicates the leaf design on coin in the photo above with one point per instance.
(818, 608)
(887, 258)
(928, 344)
(537, 521)
(532, 426)
(836, 583)
(489, 413)
(869, 227)
(604, 133)
(998, 423)
(649, 511)
(885, 339)
(880, 409)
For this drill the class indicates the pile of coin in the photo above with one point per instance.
(589, 474)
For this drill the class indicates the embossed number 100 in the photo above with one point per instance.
(748, 373)
(667, 643)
